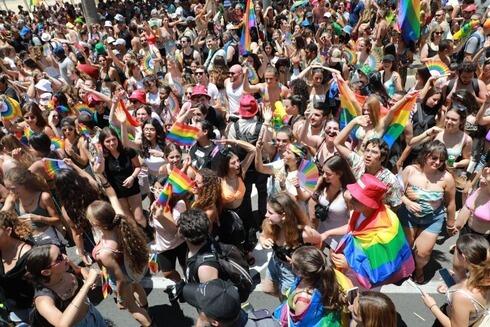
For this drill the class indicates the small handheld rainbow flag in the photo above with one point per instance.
(466, 30)
(308, 175)
(82, 107)
(129, 118)
(377, 250)
(53, 166)
(153, 263)
(400, 121)
(409, 19)
(9, 108)
(28, 133)
(106, 287)
(179, 181)
(347, 108)
(249, 21)
(437, 68)
(83, 130)
(165, 195)
(182, 134)
(57, 143)
(279, 116)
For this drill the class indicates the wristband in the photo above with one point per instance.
(430, 308)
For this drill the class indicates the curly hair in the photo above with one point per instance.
(68, 185)
(129, 237)
(295, 219)
(21, 229)
(210, 193)
(24, 177)
(312, 266)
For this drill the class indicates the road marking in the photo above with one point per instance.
(405, 288)
(418, 316)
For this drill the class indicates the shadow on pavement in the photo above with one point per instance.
(436, 258)
(167, 315)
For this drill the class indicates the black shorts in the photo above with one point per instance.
(167, 259)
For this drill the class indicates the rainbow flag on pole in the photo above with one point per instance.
(347, 109)
(182, 134)
(249, 21)
(399, 122)
(377, 251)
(177, 183)
(409, 19)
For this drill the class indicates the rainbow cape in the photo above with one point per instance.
(182, 134)
(409, 19)
(249, 21)
(377, 250)
(53, 166)
(57, 143)
(400, 121)
(347, 109)
(9, 108)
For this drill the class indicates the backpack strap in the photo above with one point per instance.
(476, 86)
(238, 134)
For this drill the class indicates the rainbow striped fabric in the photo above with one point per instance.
(57, 143)
(437, 68)
(400, 121)
(347, 109)
(466, 30)
(9, 108)
(177, 183)
(409, 19)
(182, 134)
(129, 118)
(377, 250)
(249, 21)
(53, 166)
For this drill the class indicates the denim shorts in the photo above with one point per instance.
(431, 223)
(280, 273)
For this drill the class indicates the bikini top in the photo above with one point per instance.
(229, 195)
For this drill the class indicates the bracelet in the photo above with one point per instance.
(430, 308)
(76, 306)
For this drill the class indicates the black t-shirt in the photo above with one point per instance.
(191, 272)
(102, 120)
(201, 157)
(15, 285)
(216, 119)
(120, 168)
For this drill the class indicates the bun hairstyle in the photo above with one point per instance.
(130, 238)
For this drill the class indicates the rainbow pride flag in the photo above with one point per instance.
(182, 134)
(249, 21)
(377, 250)
(179, 181)
(82, 107)
(409, 19)
(347, 108)
(400, 120)
(466, 30)
(53, 166)
(129, 118)
(164, 196)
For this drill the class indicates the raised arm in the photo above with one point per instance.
(340, 139)
(429, 134)
(247, 88)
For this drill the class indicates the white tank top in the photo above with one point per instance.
(234, 96)
(338, 214)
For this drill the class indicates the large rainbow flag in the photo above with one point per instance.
(377, 251)
(409, 19)
(249, 21)
(400, 120)
(347, 109)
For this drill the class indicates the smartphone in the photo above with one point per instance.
(352, 294)
(446, 277)
(334, 244)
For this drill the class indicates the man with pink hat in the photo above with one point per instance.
(374, 246)
(200, 99)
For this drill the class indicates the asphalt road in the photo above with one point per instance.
(410, 307)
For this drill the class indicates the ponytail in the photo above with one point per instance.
(479, 276)
(333, 298)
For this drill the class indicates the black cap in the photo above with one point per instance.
(217, 299)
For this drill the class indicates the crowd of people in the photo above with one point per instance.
(185, 131)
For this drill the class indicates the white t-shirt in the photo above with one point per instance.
(164, 239)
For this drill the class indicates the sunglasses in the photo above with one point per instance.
(199, 73)
(437, 33)
(59, 259)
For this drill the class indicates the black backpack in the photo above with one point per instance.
(231, 230)
(232, 267)
(247, 137)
